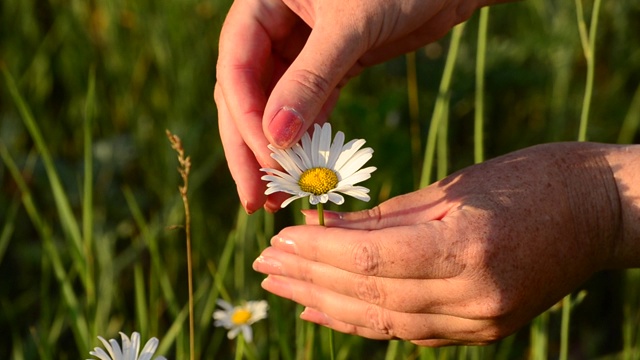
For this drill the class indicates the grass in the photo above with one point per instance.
(89, 189)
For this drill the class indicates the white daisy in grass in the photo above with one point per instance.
(240, 318)
(129, 350)
(320, 168)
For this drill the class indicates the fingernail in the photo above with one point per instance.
(285, 126)
(330, 217)
(287, 245)
(277, 286)
(268, 265)
(315, 316)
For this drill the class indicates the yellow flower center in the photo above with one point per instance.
(318, 180)
(241, 316)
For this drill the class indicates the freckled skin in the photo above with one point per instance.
(471, 258)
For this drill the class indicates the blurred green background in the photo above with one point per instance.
(153, 63)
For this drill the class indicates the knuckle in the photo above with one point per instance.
(379, 320)
(366, 258)
(314, 85)
(368, 289)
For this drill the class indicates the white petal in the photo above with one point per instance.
(324, 146)
(358, 192)
(291, 199)
(359, 176)
(225, 305)
(336, 198)
(355, 163)
(288, 164)
(233, 333)
(117, 353)
(336, 149)
(258, 310)
(347, 152)
(306, 144)
(315, 199)
(283, 175)
(101, 354)
(314, 151)
(107, 346)
(149, 348)
(247, 332)
(133, 347)
(304, 157)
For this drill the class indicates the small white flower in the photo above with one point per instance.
(320, 168)
(129, 350)
(240, 318)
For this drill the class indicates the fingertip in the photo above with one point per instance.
(331, 218)
(285, 128)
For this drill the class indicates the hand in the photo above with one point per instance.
(281, 65)
(467, 260)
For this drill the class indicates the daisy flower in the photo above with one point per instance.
(320, 168)
(129, 350)
(240, 318)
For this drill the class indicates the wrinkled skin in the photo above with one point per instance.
(467, 260)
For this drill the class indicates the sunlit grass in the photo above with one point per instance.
(88, 187)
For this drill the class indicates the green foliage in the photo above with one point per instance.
(89, 188)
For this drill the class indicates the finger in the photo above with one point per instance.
(320, 318)
(302, 93)
(435, 248)
(418, 207)
(245, 67)
(438, 25)
(403, 295)
(242, 163)
(380, 322)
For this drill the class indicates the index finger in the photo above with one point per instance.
(420, 251)
(245, 66)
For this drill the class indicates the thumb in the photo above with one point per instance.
(308, 89)
(418, 207)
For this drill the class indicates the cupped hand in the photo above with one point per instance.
(467, 260)
(281, 65)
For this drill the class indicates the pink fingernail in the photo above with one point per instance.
(285, 126)
(287, 245)
(268, 265)
(311, 216)
(314, 316)
(277, 285)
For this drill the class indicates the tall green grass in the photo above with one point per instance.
(89, 192)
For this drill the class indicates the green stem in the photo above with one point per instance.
(321, 214)
(321, 222)
(240, 347)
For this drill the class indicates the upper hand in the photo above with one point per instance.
(467, 260)
(281, 65)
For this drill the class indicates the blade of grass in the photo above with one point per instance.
(77, 319)
(478, 142)
(631, 121)
(440, 109)
(87, 199)
(68, 221)
(160, 274)
(414, 115)
(589, 48)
